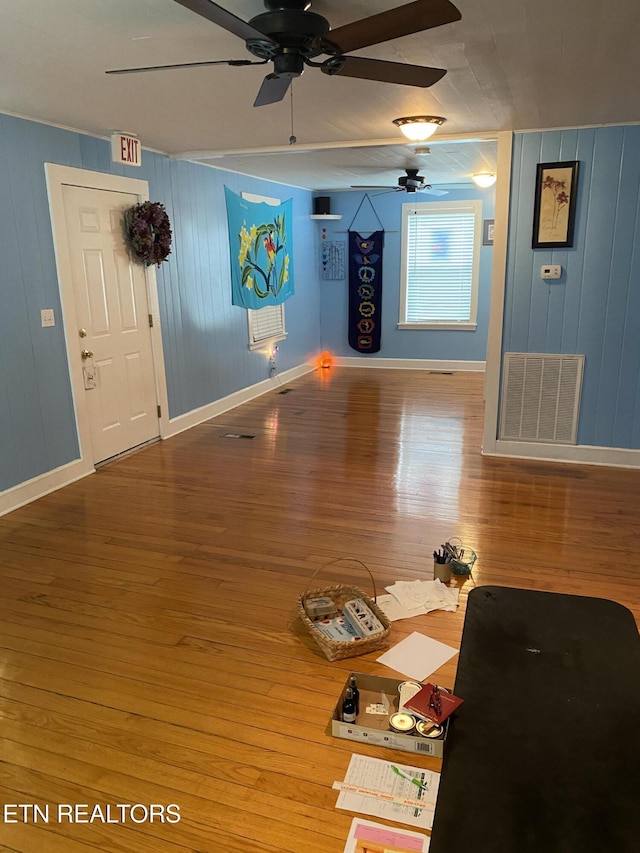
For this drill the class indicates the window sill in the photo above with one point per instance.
(267, 343)
(442, 327)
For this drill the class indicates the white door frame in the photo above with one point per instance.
(57, 176)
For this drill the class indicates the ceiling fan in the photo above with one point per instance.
(410, 182)
(291, 36)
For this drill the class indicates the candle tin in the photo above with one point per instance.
(402, 723)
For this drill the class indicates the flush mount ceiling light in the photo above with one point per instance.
(484, 179)
(419, 128)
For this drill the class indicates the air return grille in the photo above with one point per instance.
(541, 397)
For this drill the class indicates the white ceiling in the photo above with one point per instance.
(512, 64)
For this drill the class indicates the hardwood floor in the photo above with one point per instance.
(149, 647)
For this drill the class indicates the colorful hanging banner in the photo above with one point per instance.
(260, 251)
(365, 291)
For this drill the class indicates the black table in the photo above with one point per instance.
(544, 754)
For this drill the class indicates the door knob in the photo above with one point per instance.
(86, 353)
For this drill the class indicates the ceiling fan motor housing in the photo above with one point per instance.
(412, 181)
(292, 27)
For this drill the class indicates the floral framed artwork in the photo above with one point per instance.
(555, 205)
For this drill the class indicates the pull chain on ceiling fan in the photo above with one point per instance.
(290, 36)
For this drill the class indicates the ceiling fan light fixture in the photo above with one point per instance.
(484, 179)
(419, 128)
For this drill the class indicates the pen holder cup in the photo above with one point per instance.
(464, 564)
(441, 571)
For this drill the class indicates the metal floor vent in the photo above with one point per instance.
(286, 391)
(237, 435)
(541, 397)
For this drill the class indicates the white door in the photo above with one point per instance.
(113, 335)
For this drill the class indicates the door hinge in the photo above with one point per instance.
(159, 411)
(151, 321)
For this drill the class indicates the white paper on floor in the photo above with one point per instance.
(413, 598)
(417, 656)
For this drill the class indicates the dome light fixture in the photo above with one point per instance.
(484, 179)
(419, 128)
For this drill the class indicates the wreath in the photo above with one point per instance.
(148, 232)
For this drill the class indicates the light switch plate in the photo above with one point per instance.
(47, 317)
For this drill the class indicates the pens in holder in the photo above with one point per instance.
(411, 779)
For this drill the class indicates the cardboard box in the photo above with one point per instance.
(374, 728)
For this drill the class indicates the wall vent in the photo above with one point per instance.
(541, 397)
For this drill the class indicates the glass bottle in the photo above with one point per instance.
(349, 707)
(356, 693)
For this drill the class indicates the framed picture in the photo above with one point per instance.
(487, 232)
(555, 205)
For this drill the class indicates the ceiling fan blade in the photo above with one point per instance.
(382, 71)
(395, 23)
(431, 191)
(186, 65)
(217, 15)
(274, 88)
(372, 187)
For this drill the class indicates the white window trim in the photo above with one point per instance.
(424, 208)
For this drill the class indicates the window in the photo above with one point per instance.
(440, 260)
(266, 325)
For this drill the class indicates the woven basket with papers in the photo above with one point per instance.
(340, 594)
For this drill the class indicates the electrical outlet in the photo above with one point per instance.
(47, 317)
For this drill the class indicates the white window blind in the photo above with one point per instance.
(440, 263)
(266, 325)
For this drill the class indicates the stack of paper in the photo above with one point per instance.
(413, 598)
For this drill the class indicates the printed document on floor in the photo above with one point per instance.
(365, 835)
(373, 787)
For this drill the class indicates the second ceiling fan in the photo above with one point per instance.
(291, 36)
(410, 182)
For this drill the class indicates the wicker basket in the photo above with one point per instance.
(340, 594)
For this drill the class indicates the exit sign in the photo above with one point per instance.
(126, 149)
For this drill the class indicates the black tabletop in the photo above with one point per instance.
(544, 754)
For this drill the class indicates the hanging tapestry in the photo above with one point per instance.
(365, 291)
(260, 250)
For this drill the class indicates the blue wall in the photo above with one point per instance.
(204, 336)
(594, 309)
(397, 343)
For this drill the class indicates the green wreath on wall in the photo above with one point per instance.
(148, 232)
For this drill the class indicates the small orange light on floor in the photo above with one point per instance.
(325, 359)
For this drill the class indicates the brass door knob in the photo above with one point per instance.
(86, 353)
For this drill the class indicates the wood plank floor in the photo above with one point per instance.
(149, 648)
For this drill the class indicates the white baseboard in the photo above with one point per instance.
(409, 363)
(219, 407)
(43, 484)
(579, 454)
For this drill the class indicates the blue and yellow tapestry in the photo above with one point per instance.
(260, 248)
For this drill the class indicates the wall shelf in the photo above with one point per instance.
(325, 216)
